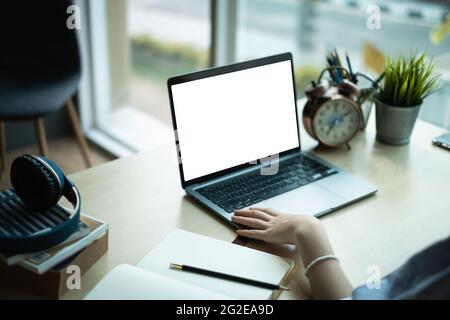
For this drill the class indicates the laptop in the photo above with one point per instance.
(238, 142)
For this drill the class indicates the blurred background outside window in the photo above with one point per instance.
(310, 29)
(149, 41)
(166, 38)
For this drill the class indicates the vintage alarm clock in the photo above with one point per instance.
(332, 115)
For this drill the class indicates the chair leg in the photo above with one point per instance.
(78, 132)
(2, 146)
(42, 139)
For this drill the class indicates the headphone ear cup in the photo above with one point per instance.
(35, 184)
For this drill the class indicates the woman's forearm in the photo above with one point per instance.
(327, 279)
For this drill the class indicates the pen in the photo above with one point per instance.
(332, 71)
(330, 64)
(337, 62)
(220, 275)
(353, 78)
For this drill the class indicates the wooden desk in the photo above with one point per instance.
(142, 200)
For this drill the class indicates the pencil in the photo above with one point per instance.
(224, 276)
(338, 63)
(352, 76)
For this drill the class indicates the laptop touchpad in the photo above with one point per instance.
(310, 199)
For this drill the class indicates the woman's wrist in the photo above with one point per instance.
(305, 228)
(312, 240)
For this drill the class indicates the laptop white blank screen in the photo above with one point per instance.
(234, 118)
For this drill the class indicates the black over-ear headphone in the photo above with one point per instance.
(38, 186)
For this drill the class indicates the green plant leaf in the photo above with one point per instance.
(408, 80)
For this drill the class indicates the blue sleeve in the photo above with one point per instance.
(426, 275)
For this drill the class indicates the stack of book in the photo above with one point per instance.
(45, 273)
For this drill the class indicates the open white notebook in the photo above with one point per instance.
(153, 279)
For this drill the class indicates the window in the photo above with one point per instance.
(135, 45)
(131, 47)
(166, 37)
(309, 29)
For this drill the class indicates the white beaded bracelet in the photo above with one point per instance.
(317, 260)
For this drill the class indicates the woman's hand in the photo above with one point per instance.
(327, 280)
(268, 225)
(272, 226)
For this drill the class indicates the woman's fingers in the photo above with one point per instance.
(253, 214)
(252, 234)
(250, 222)
(269, 211)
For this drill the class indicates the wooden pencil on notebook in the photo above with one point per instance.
(225, 276)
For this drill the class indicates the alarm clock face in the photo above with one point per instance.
(336, 122)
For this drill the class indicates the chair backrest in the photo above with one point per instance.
(35, 34)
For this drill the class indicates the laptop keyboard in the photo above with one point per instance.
(253, 187)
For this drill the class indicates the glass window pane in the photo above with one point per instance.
(166, 37)
(310, 29)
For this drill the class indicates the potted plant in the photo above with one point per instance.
(407, 82)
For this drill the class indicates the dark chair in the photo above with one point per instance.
(39, 67)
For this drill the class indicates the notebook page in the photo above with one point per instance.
(126, 282)
(188, 248)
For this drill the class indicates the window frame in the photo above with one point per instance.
(95, 91)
